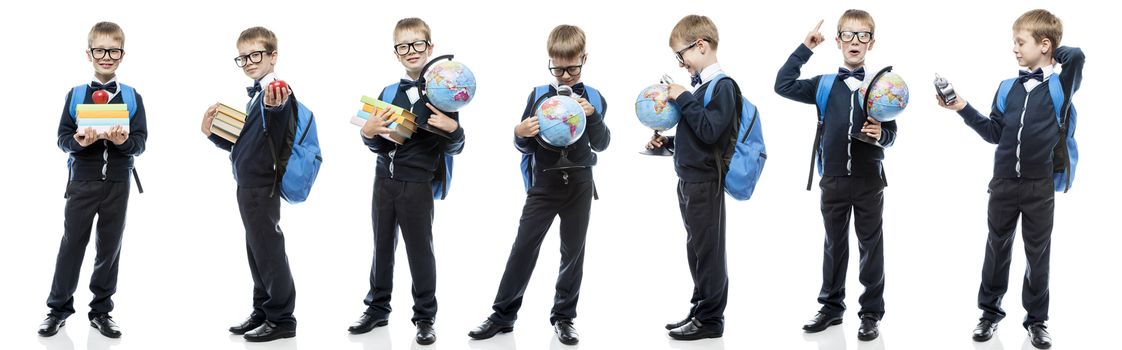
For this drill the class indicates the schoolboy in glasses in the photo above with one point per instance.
(703, 127)
(403, 196)
(565, 193)
(274, 292)
(100, 165)
(852, 174)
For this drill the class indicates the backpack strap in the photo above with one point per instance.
(717, 150)
(1003, 94)
(528, 159)
(821, 97)
(825, 85)
(390, 92)
(77, 96)
(128, 94)
(593, 97)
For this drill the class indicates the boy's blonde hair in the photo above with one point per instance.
(565, 42)
(859, 16)
(1042, 24)
(412, 23)
(259, 34)
(694, 27)
(110, 29)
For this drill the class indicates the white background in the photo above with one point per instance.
(183, 275)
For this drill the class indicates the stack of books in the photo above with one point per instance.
(403, 122)
(101, 117)
(227, 123)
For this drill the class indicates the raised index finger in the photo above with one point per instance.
(819, 26)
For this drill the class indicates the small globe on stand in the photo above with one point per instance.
(448, 85)
(884, 98)
(655, 111)
(561, 122)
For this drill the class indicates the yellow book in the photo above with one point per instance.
(227, 110)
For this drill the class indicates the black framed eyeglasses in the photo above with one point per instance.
(418, 46)
(253, 57)
(678, 54)
(863, 37)
(572, 70)
(99, 53)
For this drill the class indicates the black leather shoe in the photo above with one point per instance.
(425, 334)
(367, 323)
(565, 332)
(489, 329)
(1038, 333)
(50, 326)
(984, 330)
(683, 322)
(869, 329)
(104, 324)
(693, 331)
(248, 325)
(820, 322)
(268, 332)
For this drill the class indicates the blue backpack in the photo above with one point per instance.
(1066, 154)
(442, 178)
(743, 160)
(298, 171)
(128, 94)
(593, 97)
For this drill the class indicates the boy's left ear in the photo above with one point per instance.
(871, 42)
(1046, 46)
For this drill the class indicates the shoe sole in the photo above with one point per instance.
(482, 336)
(262, 340)
(982, 339)
(426, 342)
(816, 330)
(366, 330)
(706, 336)
(868, 338)
(51, 334)
(107, 335)
(570, 342)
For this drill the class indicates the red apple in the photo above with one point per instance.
(277, 84)
(101, 97)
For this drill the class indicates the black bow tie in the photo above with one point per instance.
(407, 84)
(252, 90)
(695, 80)
(1025, 75)
(111, 87)
(845, 73)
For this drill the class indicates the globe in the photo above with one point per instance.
(654, 109)
(561, 120)
(449, 85)
(889, 96)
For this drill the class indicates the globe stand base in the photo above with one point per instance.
(562, 164)
(657, 151)
(866, 139)
(434, 130)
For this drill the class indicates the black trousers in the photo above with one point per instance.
(409, 206)
(84, 199)
(274, 293)
(864, 198)
(703, 212)
(1034, 202)
(573, 204)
